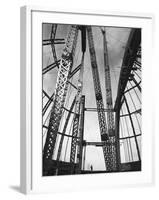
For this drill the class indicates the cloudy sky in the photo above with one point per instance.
(116, 42)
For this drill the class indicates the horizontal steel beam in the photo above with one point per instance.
(50, 43)
(137, 84)
(53, 41)
(68, 110)
(123, 138)
(95, 110)
(50, 67)
(98, 144)
(47, 104)
(62, 133)
(135, 112)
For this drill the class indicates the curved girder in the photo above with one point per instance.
(130, 55)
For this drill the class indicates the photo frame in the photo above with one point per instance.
(32, 179)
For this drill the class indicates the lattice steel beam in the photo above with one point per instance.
(81, 135)
(95, 110)
(99, 98)
(76, 123)
(110, 115)
(75, 131)
(65, 67)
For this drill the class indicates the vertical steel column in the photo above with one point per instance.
(81, 135)
(109, 105)
(109, 102)
(75, 131)
(76, 122)
(99, 99)
(84, 157)
(117, 132)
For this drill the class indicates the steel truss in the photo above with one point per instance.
(99, 101)
(65, 67)
(109, 127)
(131, 66)
(111, 149)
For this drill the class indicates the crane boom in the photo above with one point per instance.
(75, 131)
(76, 123)
(109, 106)
(98, 95)
(109, 102)
(65, 67)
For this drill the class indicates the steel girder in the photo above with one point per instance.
(65, 67)
(99, 101)
(110, 116)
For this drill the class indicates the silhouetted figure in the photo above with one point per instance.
(91, 168)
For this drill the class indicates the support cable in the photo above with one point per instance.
(114, 153)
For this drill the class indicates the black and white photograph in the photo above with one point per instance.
(91, 99)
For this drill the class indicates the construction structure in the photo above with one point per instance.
(68, 101)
